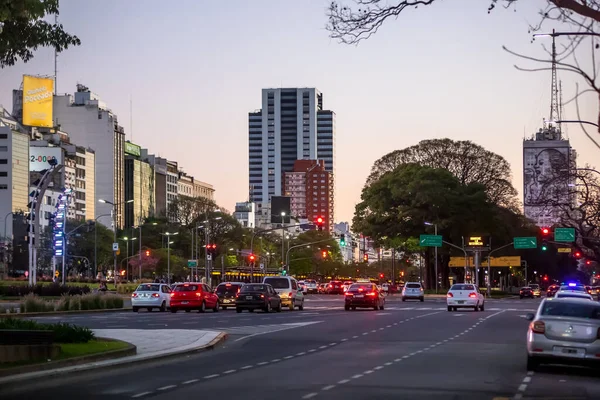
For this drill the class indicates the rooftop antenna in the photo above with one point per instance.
(131, 118)
(554, 105)
(55, 59)
(561, 108)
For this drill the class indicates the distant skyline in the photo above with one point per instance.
(193, 72)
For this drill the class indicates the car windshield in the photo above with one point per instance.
(278, 283)
(311, 281)
(254, 288)
(228, 288)
(526, 288)
(185, 288)
(571, 295)
(571, 309)
(148, 288)
(413, 285)
(535, 286)
(462, 287)
(358, 287)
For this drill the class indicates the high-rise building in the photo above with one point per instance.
(310, 189)
(159, 167)
(92, 125)
(245, 214)
(139, 186)
(548, 161)
(291, 125)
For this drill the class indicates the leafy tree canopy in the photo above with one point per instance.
(23, 30)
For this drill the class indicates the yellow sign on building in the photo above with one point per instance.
(507, 261)
(37, 101)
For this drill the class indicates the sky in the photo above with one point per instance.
(193, 69)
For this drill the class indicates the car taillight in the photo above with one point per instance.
(538, 327)
(262, 296)
(198, 294)
(449, 295)
(472, 295)
(133, 294)
(371, 294)
(290, 294)
(421, 289)
(349, 294)
(172, 294)
(330, 285)
(155, 295)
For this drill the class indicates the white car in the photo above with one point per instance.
(573, 295)
(413, 290)
(465, 295)
(151, 295)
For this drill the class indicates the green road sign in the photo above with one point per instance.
(192, 263)
(525, 242)
(430, 241)
(564, 234)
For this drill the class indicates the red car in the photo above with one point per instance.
(193, 296)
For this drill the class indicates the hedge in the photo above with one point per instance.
(91, 301)
(43, 290)
(63, 333)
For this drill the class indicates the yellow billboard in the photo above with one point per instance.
(506, 261)
(37, 101)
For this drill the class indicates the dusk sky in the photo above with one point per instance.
(195, 68)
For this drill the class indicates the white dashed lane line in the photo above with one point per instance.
(523, 386)
(302, 353)
(397, 360)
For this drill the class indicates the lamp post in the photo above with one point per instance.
(140, 243)
(282, 236)
(168, 235)
(114, 218)
(206, 227)
(96, 242)
(436, 257)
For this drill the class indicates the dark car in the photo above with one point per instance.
(254, 296)
(363, 295)
(551, 291)
(335, 287)
(526, 292)
(226, 292)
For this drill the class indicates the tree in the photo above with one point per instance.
(148, 264)
(467, 161)
(186, 210)
(353, 25)
(308, 257)
(23, 30)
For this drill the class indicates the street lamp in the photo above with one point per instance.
(140, 243)
(114, 217)
(168, 235)
(206, 227)
(282, 237)
(436, 256)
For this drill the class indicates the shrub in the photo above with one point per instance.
(126, 289)
(32, 303)
(51, 290)
(112, 301)
(63, 333)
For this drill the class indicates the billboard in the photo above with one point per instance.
(37, 101)
(280, 204)
(133, 149)
(504, 261)
(39, 156)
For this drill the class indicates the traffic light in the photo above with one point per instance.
(577, 254)
(320, 222)
(252, 258)
(545, 231)
(381, 276)
(402, 273)
(284, 272)
(546, 277)
(122, 272)
(324, 253)
(342, 240)
(366, 258)
(544, 245)
(588, 262)
(147, 253)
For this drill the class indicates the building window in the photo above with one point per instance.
(3, 148)
(3, 173)
(3, 187)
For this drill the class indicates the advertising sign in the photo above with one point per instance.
(133, 149)
(39, 156)
(505, 261)
(37, 101)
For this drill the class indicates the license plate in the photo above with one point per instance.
(569, 351)
(249, 297)
(184, 302)
(359, 296)
(227, 301)
(461, 302)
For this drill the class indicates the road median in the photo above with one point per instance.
(54, 313)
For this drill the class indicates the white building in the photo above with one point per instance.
(185, 185)
(291, 125)
(548, 160)
(92, 125)
(245, 213)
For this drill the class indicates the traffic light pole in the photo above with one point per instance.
(489, 265)
(287, 254)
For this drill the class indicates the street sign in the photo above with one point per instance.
(115, 246)
(56, 274)
(430, 241)
(506, 261)
(564, 234)
(564, 249)
(262, 266)
(525, 242)
(192, 263)
(478, 243)
(208, 257)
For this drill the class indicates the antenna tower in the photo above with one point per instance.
(554, 105)
(55, 59)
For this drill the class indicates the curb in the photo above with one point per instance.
(130, 350)
(51, 313)
(16, 380)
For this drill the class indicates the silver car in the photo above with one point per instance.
(413, 290)
(564, 331)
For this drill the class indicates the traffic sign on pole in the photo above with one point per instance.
(525, 242)
(56, 274)
(192, 263)
(115, 246)
(564, 234)
(430, 241)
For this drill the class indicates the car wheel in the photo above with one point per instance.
(353, 308)
(278, 309)
(382, 306)
(422, 299)
(163, 307)
(521, 297)
(251, 310)
(449, 309)
(301, 306)
(238, 310)
(532, 363)
(476, 308)
(482, 308)
(223, 308)
(216, 309)
(376, 308)
(188, 310)
(347, 308)
(149, 309)
(403, 299)
(268, 307)
(292, 306)
(173, 310)
(202, 307)
(135, 309)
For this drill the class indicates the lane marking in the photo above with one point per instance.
(262, 363)
(309, 396)
(190, 381)
(135, 396)
(343, 381)
(166, 387)
(301, 353)
(288, 357)
(275, 360)
(527, 379)
(329, 387)
(357, 376)
(370, 371)
(522, 388)
(231, 371)
(246, 367)
(377, 368)
(211, 376)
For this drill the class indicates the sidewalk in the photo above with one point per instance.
(150, 344)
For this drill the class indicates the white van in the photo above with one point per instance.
(287, 288)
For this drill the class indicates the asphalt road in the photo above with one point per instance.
(409, 350)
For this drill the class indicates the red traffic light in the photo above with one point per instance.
(381, 276)
(252, 258)
(320, 220)
(324, 254)
(366, 257)
(545, 231)
(147, 253)
(588, 262)
(577, 254)
(546, 277)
